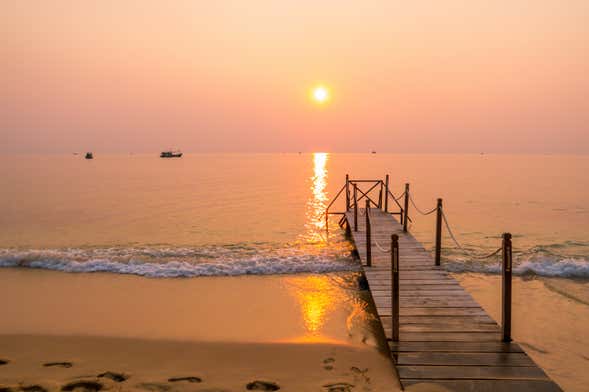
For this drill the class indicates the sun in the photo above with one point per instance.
(320, 94)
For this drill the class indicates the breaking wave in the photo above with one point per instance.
(170, 262)
(565, 268)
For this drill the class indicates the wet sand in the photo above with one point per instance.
(156, 365)
(302, 333)
(549, 319)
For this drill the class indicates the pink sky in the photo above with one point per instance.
(422, 76)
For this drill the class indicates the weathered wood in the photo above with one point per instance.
(368, 240)
(444, 319)
(385, 310)
(449, 336)
(406, 208)
(474, 347)
(464, 359)
(506, 288)
(446, 327)
(489, 385)
(444, 336)
(395, 306)
(438, 251)
(472, 372)
(386, 194)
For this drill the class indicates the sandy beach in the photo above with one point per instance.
(99, 363)
(187, 334)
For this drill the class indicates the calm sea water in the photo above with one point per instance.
(231, 214)
(236, 214)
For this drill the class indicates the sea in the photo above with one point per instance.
(212, 215)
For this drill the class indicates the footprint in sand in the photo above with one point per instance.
(117, 377)
(187, 379)
(4, 361)
(5, 389)
(154, 386)
(328, 363)
(339, 387)
(82, 386)
(361, 373)
(33, 388)
(58, 364)
(262, 386)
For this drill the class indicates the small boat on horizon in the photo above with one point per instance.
(89, 155)
(171, 154)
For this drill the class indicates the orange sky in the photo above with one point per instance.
(423, 76)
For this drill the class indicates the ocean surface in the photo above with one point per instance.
(234, 214)
(240, 240)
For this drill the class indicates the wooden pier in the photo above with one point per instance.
(437, 332)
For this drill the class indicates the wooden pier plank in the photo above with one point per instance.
(454, 347)
(445, 336)
(464, 359)
(490, 385)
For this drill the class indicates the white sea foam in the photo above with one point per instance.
(566, 268)
(179, 262)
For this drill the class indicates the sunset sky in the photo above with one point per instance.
(236, 76)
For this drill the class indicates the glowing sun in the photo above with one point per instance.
(320, 94)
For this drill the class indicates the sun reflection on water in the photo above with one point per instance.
(317, 297)
(322, 297)
(315, 222)
(327, 302)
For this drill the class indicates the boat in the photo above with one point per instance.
(171, 154)
(89, 155)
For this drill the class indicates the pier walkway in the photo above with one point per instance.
(442, 335)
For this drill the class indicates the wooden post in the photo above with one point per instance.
(406, 207)
(395, 286)
(380, 196)
(506, 288)
(347, 193)
(386, 193)
(439, 233)
(368, 235)
(355, 207)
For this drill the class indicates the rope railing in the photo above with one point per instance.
(459, 246)
(505, 249)
(419, 209)
(397, 198)
(408, 197)
(384, 250)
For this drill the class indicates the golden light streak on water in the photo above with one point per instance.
(317, 297)
(316, 204)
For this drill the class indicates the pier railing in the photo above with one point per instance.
(354, 194)
(376, 192)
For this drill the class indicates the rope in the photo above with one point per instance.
(400, 197)
(471, 254)
(418, 209)
(489, 255)
(381, 248)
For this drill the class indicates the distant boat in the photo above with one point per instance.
(373, 151)
(171, 154)
(89, 155)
